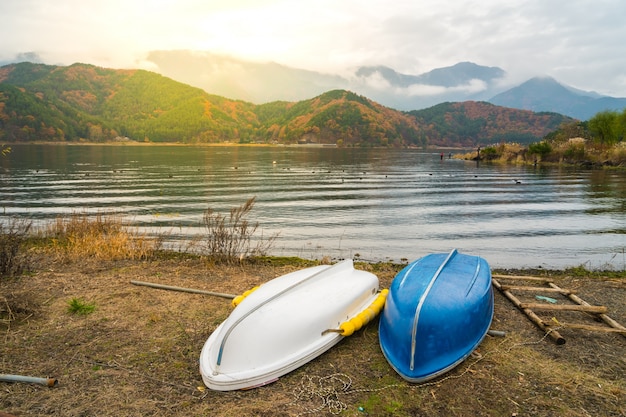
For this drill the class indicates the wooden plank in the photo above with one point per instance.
(554, 335)
(536, 289)
(591, 328)
(608, 320)
(522, 277)
(561, 307)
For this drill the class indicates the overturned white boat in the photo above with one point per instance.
(287, 322)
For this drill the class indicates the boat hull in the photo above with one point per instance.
(284, 324)
(438, 310)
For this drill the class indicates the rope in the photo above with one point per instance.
(328, 390)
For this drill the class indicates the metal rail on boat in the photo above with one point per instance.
(270, 299)
(421, 303)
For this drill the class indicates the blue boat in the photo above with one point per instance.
(438, 310)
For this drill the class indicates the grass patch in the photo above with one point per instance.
(80, 307)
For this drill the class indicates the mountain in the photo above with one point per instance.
(45, 102)
(84, 102)
(465, 81)
(461, 82)
(265, 82)
(457, 75)
(546, 94)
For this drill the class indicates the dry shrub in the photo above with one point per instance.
(13, 258)
(511, 152)
(100, 237)
(16, 307)
(618, 154)
(229, 239)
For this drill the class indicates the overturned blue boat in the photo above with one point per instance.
(438, 310)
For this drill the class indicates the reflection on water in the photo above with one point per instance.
(369, 203)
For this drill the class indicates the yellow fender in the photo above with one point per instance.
(238, 299)
(347, 328)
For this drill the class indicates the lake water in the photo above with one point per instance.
(374, 204)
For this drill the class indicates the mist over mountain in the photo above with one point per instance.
(461, 82)
(263, 82)
(234, 78)
(259, 83)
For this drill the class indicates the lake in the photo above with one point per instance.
(372, 204)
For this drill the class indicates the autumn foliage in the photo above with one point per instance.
(88, 103)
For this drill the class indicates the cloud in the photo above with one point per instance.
(377, 82)
(473, 87)
(579, 42)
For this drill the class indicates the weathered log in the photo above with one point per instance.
(592, 328)
(568, 307)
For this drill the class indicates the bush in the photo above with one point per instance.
(229, 239)
(541, 149)
(13, 258)
(489, 153)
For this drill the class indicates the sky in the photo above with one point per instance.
(578, 42)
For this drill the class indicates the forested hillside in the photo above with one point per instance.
(474, 123)
(88, 103)
(338, 117)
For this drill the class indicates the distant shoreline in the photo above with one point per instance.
(226, 144)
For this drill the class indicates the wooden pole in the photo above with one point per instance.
(535, 289)
(592, 328)
(182, 289)
(568, 307)
(538, 279)
(560, 340)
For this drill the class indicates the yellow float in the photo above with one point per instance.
(238, 299)
(347, 328)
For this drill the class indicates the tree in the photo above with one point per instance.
(621, 123)
(604, 126)
(539, 148)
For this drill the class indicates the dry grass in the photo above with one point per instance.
(13, 236)
(137, 353)
(102, 237)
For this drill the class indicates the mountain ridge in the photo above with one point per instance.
(85, 102)
(264, 82)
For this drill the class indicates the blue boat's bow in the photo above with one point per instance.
(438, 310)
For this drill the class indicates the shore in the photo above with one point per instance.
(137, 352)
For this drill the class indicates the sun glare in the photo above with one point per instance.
(252, 33)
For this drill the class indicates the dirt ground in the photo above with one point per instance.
(137, 353)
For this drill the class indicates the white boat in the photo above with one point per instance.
(286, 323)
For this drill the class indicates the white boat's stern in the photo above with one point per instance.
(254, 377)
